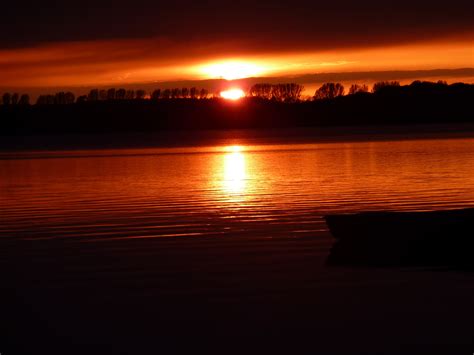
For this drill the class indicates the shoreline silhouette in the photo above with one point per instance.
(266, 106)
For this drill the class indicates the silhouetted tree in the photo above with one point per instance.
(329, 91)
(203, 94)
(356, 88)
(111, 94)
(7, 98)
(130, 95)
(166, 93)
(292, 92)
(120, 94)
(60, 98)
(275, 93)
(140, 94)
(193, 93)
(15, 98)
(81, 99)
(41, 100)
(175, 93)
(382, 85)
(184, 93)
(93, 95)
(267, 90)
(255, 91)
(429, 85)
(69, 98)
(264, 91)
(103, 95)
(50, 99)
(24, 99)
(155, 95)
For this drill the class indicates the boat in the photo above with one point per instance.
(432, 238)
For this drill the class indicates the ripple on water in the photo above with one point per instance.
(276, 191)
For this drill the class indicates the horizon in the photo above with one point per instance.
(310, 81)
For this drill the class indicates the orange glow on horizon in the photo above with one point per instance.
(232, 70)
(232, 94)
(122, 62)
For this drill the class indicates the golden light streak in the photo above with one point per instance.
(232, 70)
(235, 173)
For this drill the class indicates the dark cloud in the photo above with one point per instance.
(255, 24)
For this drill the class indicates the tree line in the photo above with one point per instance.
(112, 94)
(289, 92)
(293, 92)
(157, 94)
(15, 99)
(285, 92)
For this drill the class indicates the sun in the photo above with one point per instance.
(232, 70)
(232, 94)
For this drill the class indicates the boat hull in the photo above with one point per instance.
(441, 238)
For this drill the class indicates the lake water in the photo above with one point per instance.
(224, 245)
(237, 188)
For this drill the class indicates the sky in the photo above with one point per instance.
(53, 43)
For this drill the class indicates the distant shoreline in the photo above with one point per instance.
(186, 139)
(418, 109)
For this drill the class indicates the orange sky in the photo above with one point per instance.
(115, 62)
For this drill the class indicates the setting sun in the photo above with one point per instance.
(232, 94)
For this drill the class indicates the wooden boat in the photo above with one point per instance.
(444, 238)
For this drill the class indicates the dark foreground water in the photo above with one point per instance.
(170, 250)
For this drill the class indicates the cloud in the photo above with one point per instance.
(160, 59)
(265, 24)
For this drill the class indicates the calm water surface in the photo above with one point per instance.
(230, 190)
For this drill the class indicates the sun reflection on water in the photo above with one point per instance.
(235, 172)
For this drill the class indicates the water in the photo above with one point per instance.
(235, 189)
(224, 243)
